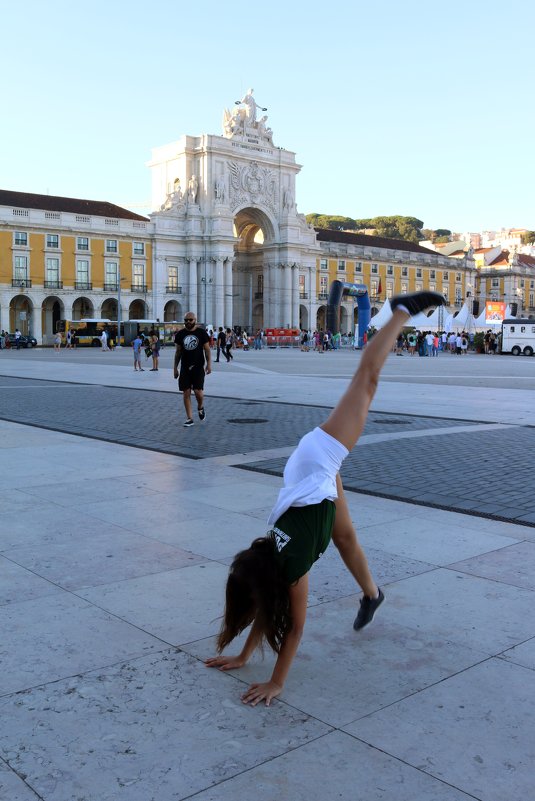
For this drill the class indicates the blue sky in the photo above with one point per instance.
(392, 108)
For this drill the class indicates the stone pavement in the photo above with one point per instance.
(113, 561)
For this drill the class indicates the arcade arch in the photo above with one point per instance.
(108, 310)
(82, 307)
(137, 310)
(172, 311)
(20, 314)
(52, 310)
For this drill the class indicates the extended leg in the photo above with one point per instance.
(346, 421)
(345, 539)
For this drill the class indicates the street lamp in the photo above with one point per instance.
(118, 343)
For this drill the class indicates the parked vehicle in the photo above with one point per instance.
(24, 341)
(518, 336)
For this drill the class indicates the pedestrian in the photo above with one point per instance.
(104, 340)
(436, 342)
(137, 344)
(220, 343)
(155, 351)
(229, 341)
(69, 340)
(58, 339)
(268, 582)
(7, 341)
(429, 339)
(458, 343)
(17, 338)
(2, 339)
(192, 352)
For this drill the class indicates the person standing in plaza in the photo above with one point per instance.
(58, 339)
(155, 351)
(137, 344)
(268, 582)
(229, 341)
(192, 352)
(104, 340)
(220, 343)
(17, 338)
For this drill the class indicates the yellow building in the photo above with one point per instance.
(68, 258)
(387, 267)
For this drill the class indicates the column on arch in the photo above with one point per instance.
(266, 299)
(219, 292)
(228, 293)
(286, 274)
(295, 296)
(192, 304)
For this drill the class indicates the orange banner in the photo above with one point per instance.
(494, 312)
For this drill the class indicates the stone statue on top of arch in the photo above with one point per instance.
(243, 121)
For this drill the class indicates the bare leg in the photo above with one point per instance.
(345, 539)
(346, 421)
(187, 403)
(199, 394)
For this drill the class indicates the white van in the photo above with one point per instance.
(518, 336)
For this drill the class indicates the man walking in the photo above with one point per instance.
(220, 343)
(192, 350)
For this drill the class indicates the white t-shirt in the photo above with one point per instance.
(310, 473)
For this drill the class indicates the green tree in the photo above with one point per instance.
(333, 222)
(528, 238)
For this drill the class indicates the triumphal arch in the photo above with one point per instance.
(229, 242)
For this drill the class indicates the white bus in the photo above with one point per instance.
(518, 336)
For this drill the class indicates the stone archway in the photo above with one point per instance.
(172, 311)
(303, 318)
(52, 311)
(82, 307)
(321, 316)
(138, 310)
(20, 314)
(108, 310)
(256, 233)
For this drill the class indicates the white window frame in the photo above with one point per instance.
(56, 270)
(358, 267)
(375, 269)
(404, 271)
(341, 265)
(19, 259)
(20, 244)
(141, 252)
(49, 243)
(107, 273)
(324, 264)
(390, 270)
(87, 279)
(138, 269)
(80, 248)
(108, 247)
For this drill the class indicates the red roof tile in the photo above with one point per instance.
(98, 208)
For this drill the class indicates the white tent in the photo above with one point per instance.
(382, 316)
(462, 321)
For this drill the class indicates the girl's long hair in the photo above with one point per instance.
(256, 591)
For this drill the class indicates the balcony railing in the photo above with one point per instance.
(258, 295)
(110, 287)
(323, 296)
(139, 288)
(303, 296)
(22, 283)
(83, 285)
(53, 284)
(173, 289)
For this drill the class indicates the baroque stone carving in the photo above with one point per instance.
(243, 122)
(250, 183)
(175, 200)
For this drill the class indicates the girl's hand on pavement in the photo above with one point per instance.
(225, 662)
(261, 692)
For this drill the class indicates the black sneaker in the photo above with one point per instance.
(202, 414)
(417, 302)
(368, 607)
(189, 422)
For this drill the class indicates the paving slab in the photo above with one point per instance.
(514, 565)
(523, 654)
(472, 611)
(161, 727)
(473, 731)
(340, 675)
(49, 638)
(12, 787)
(353, 768)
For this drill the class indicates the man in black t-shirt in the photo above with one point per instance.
(221, 338)
(192, 349)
